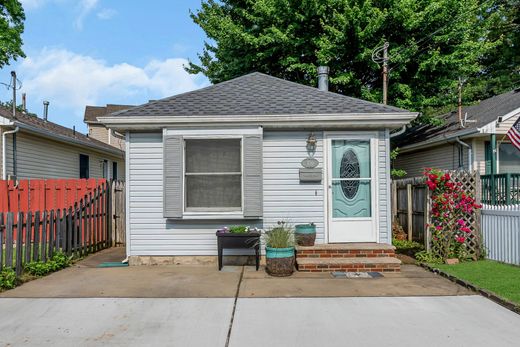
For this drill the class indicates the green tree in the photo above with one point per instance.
(432, 44)
(12, 19)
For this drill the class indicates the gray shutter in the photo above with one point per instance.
(172, 185)
(253, 163)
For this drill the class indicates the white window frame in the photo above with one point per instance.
(209, 210)
(212, 134)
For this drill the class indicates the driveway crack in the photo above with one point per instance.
(234, 307)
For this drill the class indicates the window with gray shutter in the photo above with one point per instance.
(173, 170)
(218, 175)
(253, 163)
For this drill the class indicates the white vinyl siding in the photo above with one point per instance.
(38, 157)
(442, 157)
(504, 127)
(383, 196)
(284, 197)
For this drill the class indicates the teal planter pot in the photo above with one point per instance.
(271, 253)
(305, 234)
(279, 261)
(305, 229)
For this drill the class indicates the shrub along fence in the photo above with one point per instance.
(77, 231)
(501, 233)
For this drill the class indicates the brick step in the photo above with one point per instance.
(381, 264)
(346, 250)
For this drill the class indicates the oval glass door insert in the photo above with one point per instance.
(350, 169)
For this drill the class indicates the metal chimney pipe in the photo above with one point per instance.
(24, 102)
(45, 110)
(323, 78)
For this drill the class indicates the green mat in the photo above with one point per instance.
(112, 264)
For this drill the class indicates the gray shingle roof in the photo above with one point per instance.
(480, 114)
(56, 129)
(92, 112)
(256, 94)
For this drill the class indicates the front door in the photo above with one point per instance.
(351, 185)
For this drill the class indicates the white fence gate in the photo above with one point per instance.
(501, 233)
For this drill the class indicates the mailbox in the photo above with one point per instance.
(311, 175)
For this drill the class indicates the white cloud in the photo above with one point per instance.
(106, 13)
(71, 81)
(85, 7)
(32, 4)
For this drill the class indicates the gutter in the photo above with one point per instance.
(4, 151)
(67, 139)
(362, 120)
(470, 156)
(439, 139)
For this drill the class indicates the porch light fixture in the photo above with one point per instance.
(311, 144)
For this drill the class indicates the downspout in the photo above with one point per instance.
(4, 152)
(397, 133)
(470, 156)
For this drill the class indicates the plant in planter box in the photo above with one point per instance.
(279, 246)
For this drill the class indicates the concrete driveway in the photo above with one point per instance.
(200, 306)
(384, 321)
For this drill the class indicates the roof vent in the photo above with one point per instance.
(323, 78)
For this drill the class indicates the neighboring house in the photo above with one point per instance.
(37, 148)
(98, 131)
(472, 139)
(231, 154)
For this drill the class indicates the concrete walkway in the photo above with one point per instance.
(302, 322)
(85, 280)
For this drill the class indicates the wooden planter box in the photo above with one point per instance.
(249, 240)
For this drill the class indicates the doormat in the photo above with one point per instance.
(112, 264)
(342, 274)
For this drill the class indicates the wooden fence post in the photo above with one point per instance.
(394, 200)
(36, 244)
(409, 213)
(427, 215)
(2, 232)
(9, 240)
(28, 237)
(19, 245)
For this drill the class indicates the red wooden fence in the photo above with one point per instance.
(44, 195)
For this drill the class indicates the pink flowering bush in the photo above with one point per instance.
(450, 209)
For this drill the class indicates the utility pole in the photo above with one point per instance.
(385, 73)
(378, 59)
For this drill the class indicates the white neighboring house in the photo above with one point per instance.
(37, 148)
(231, 154)
(475, 141)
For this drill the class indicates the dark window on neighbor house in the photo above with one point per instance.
(114, 170)
(461, 156)
(508, 158)
(84, 166)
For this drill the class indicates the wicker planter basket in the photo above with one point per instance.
(279, 261)
(305, 234)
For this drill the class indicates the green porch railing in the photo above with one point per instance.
(501, 189)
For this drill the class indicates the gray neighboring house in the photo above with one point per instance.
(98, 131)
(231, 154)
(33, 147)
(474, 141)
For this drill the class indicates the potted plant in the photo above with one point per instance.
(279, 247)
(238, 237)
(305, 234)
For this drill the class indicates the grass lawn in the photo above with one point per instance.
(501, 279)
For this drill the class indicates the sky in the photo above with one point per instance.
(94, 52)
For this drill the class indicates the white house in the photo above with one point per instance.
(231, 154)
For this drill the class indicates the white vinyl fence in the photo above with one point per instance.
(501, 232)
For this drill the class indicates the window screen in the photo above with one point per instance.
(508, 158)
(213, 175)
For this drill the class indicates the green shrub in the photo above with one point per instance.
(7, 279)
(281, 236)
(39, 268)
(427, 257)
(407, 247)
